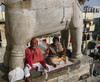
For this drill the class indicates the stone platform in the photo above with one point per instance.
(79, 71)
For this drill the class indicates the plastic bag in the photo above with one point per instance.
(16, 74)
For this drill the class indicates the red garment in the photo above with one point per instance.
(34, 56)
(44, 40)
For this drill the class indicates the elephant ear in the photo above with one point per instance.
(82, 1)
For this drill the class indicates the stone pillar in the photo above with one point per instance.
(7, 56)
(19, 31)
(76, 30)
(17, 57)
(76, 36)
(9, 41)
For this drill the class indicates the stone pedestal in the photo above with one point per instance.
(75, 72)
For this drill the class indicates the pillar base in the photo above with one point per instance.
(16, 60)
(77, 56)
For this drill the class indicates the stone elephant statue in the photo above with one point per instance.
(26, 19)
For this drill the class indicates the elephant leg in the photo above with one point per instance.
(65, 37)
(7, 55)
(9, 44)
(17, 56)
(20, 29)
(76, 36)
(76, 25)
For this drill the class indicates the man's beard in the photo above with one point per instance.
(33, 47)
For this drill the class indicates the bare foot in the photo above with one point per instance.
(28, 79)
(54, 65)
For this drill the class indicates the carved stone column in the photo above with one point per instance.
(76, 36)
(76, 30)
(9, 40)
(17, 57)
(7, 56)
(18, 33)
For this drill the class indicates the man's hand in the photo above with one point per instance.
(47, 51)
(46, 67)
(64, 51)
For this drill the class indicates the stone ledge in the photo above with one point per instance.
(77, 69)
(69, 73)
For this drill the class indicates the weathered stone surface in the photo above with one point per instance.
(26, 19)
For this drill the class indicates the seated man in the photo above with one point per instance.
(54, 50)
(34, 59)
